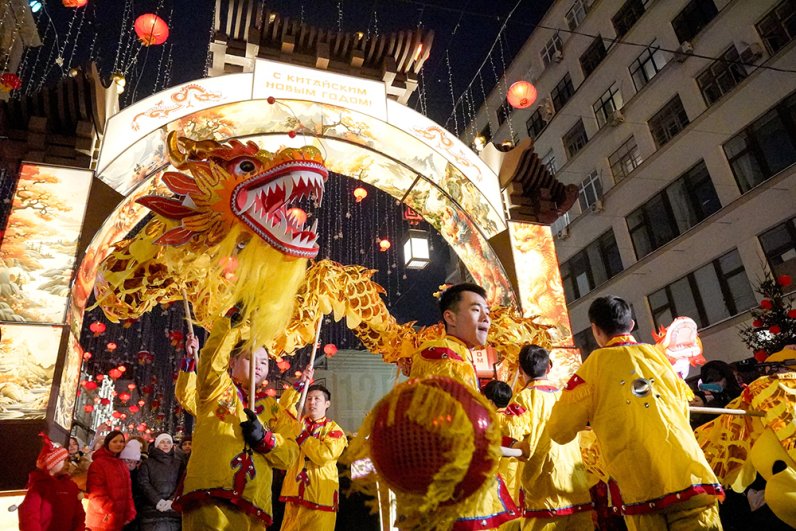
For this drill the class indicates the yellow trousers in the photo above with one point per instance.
(216, 517)
(581, 521)
(678, 519)
(300, 518)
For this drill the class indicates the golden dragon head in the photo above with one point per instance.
(240, 183)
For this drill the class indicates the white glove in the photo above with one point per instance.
(757, 498)
(161, 505)
(167, 505)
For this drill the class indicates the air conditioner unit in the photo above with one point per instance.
(548, 110)
(750, 52)
(683, 52)
(563, 234)
(558, 56)
(616, 117)
(597, 206)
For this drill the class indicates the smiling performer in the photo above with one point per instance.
(466, 317)
(310, 490)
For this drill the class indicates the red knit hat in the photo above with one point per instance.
(50, 454)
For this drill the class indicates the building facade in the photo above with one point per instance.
(677, 120)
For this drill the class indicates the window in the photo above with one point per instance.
(680, 206)
(585, 341)
(778, 27)
(591, 189)
(669, 121)
(595, 264)
(575, 138)
(694, 16)
(549, 162)
(552, 50)
(650, 62)
(561, 223)
(605, 106)
(779, 244)
(627, 15)
(713, 292)
(562, 92)
(625, 159)
(593, 56)
(576, 14)
(535, 123)
(765, 147)
(721, 76)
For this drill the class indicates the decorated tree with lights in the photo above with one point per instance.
(774, 320)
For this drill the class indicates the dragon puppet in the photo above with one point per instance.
(233, 235)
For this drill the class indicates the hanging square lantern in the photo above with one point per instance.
(417, 254)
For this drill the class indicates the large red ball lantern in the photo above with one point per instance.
(124, 396)
(151, 29)
(90, 386)
(408, 453)
(384, 245)
(521, 95)
(116, 414)
(74, 3)
(88, 408)
(111, 346)
(115, 374)
(134, 409)
(330, 349)
(105, 401)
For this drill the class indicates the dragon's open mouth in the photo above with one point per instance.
(274, 205)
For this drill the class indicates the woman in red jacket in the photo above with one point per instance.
(110, 494)
(53, 500)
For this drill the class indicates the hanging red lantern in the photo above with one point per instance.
(270, 392)
(115, 374)
(155, 404)
(111, 346)
(105, 401)
(151, 29)
(116, 415)
(86, 356)
(330, 349)
(74, 3)
(88, 408)
(521, 95)
(384, 245)
(131, 386)
(10, 81)
(134, 409)
(124, 396)
(90, 386)
(122, 368)
(141, 403)
(360, 194)
(97, 328)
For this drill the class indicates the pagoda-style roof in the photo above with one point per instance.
(245, 30)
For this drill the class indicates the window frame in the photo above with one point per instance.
(589, 60)
(789, 226)
(727, 65)
(779, 19)
(610, 96)
(603, 247)
(580, 14)
(593, 182)
(620, 161)
(666, 117)
(553, 45)
(575, 139)
(693, 18)
(630, 12)
(562, 92)
(533, 120)
(652, 51)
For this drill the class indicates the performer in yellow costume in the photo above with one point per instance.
(229, 475)
(638, 407)
(466, 317)
(555, 489)
(310, 489)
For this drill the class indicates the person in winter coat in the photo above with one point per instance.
(52, 502)
(110, 493)
(131, 455)
(158, 478)
(77, 464)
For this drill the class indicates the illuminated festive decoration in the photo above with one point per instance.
(97, 328)
(416, 250)
(90, 386)
(111, 346)
(360, 194)
(134, 409)
(131, 386)
(298, 216)
(330, 349)
(151, 29)
(384, 245)
(86, 356)
(9, 82)
(521, 95)
(124, 396)
(141, 403)
(88, 408)
(115, 374)
(74, 3)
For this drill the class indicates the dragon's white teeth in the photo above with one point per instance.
(314, 227)
(287, 184)
(283, 226)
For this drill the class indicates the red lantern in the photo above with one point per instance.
(360, 194)
(384, 245)
(270, 392)
(766, 304)
(792, 314)
(116, 415)
(774, 329)
(9, 82)
(521, 95)
(784, 280)
(298, 215)
(74, 3)
(115, 374)
(111, 346)
(105, 401)
(141, 427)
(97, 328)
(131, 386)
(124, 396)
(134, 409)
(757, 323)
(330, 349)
(141, 403)
(99, 377)
(90, 386)
(761, 355)
(86, 356)
(88, 408)
(155, 404)
(151, 29)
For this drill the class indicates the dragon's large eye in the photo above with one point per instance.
(244, 165)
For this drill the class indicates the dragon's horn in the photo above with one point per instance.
(181, 149)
